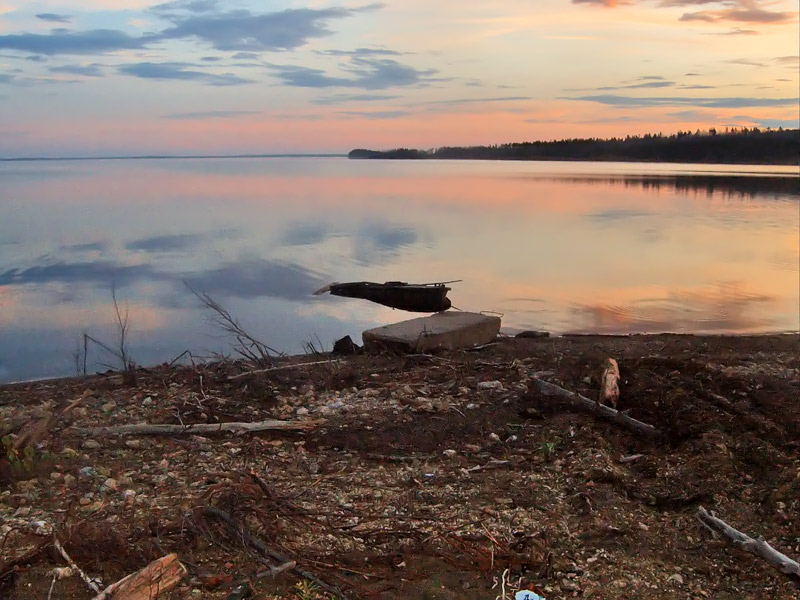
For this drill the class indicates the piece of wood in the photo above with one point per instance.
(285, 367)
(590, 406)
(202, 428)
(609, 383)
(94, 584)
(157, 578)
(757, 547)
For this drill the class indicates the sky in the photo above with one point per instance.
(131, 77)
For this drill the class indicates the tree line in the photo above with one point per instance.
(735, 146)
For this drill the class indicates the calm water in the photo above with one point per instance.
(565, 247)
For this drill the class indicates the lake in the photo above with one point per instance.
(556, 246)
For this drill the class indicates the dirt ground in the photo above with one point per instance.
(431, 477)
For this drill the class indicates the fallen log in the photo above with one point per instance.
(590, 406)
(757, 547)
(609, 383)
(201, 428)
(157, 578)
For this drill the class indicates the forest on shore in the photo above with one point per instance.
(736, 146)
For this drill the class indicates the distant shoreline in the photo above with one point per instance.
(740, 147)
(168, 157)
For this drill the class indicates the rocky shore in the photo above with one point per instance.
(414, 476)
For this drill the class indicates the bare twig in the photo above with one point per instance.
(245, 345)
(266, 551)
(157, 578)
(94, 584)
(286, 366)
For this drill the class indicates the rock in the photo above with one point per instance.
(92, 444)
(147, 401)
(69, 480)
(675, 578)
(134, 444)
(70, 453)
(109, 485)
(108, 407)
(450, 453)
(87, 472)
(345, 346)
(532, 334)
(441, 331)
(490, 385)
(56, 476)
(302, 411)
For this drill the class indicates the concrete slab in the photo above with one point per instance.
(443, 331)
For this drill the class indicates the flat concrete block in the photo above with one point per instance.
(442, 331)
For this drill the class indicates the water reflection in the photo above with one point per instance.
(561, 247)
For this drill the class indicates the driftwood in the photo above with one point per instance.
(759, 547)
(592, 407)
(202, 428)
(266, 551)
(94, 584)
(285, 367)
(157, 578)
(609, 383)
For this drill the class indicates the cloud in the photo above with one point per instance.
(85, 70)
(166, 243)
(630, 101)
(211, 114)
(99, 272)
(378, 114)
(88, 247)
(248, 278)
(361, 52)
(305, 234)
(366, 73)
(54, 18)
(606, 3)
(478, 100)
(253, 278)
(737, 31)
(194, 6)
(96, 41)
(233, 30)
(741, 14)
(246, 56)
(378, 243)
(342, 98)
(179, 71)
(243, 30)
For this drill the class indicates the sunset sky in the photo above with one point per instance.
(126, 77)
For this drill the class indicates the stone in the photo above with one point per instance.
(108, 407)
(134, 444)
(441, 331)
(675, 578)
(92, 444)
(345, 346)
(109, 485)
(69, 480)
(490, 385)
(302, 411)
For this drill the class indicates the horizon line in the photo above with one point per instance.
(175, 156)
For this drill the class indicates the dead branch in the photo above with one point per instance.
(149, 583)
(759, 547)
(94, 584)
(594, 408)
(286, 366)
(266, 551)
(236, 427)
(251, 349)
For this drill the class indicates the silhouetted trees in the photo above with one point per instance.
(743, 145)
